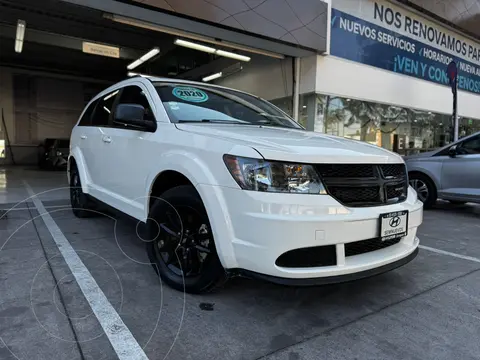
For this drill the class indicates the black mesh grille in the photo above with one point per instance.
(395, 191)
(346, 171)
(309, 257)
(359, 185)
(354, 195)
(393, 170)
(365, 246)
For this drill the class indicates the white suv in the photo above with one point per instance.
(229, 185)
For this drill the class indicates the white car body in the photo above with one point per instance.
(251, 228)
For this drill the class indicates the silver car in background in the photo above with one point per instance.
(451, 173)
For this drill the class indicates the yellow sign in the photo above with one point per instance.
(102, 50)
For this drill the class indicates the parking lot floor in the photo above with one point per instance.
(84, 289)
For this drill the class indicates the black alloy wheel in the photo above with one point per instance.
(181, 245)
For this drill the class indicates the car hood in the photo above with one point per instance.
(296, 145)
(420, 156)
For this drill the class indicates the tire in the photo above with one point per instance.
(426, 190)
(177, 240)
(457, 202)
(82, 205)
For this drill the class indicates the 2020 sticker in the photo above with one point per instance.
(190, 94)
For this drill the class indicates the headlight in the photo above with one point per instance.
(59, 153)
(272, 176)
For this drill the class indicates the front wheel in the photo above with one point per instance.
(181, 247)
(425, 188)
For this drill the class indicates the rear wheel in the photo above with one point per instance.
(82, 206)
(181, 245)
(425, 188)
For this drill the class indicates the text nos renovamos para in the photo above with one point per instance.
(425, 32)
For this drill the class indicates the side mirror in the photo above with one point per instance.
(132, 115)
(452, 152)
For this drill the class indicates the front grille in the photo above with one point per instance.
(349, 171)
(352, 195)
(366, 246)
(360, 185)
(393, 170)
(309, 257)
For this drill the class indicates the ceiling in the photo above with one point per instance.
(463, 13)
(56, 31)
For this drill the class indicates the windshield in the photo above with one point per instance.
(200, 103)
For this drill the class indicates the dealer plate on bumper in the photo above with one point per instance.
(393, 225)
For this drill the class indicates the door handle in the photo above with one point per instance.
(83, 137)
(107, 139)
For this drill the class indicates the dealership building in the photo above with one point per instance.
(370, 70)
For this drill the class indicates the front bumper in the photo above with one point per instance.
(331, 279)
(253, 229)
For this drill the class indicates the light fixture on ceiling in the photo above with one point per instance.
(131, 74)
(210, 50)
(194, 46)
(21, 25)
(212, 77)
(429, 113)
(348, 100)
(188, 35)
(304, 106)
(146, 57)
(232, 55)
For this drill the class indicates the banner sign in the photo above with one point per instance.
(364, 42)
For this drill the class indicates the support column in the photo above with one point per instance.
(296, 88)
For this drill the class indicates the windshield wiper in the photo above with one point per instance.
(218, 121)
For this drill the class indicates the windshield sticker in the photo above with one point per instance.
(190, 94)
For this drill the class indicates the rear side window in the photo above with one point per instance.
(86, 118)
(103, 109)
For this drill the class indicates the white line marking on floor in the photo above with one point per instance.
(443, 252)
(46, 207)
(117, 332)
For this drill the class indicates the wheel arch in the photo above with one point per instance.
(77, 160)
(181, 171)
(425, 174)
(166, 180)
